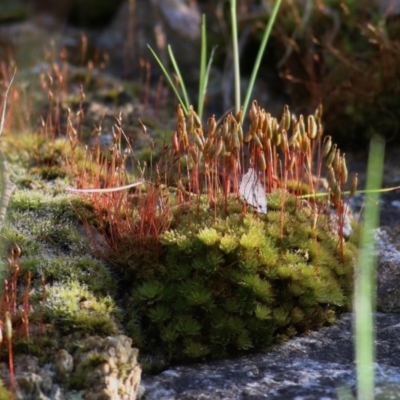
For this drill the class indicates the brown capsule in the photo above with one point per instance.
(252, 130)
(175, 141)
(235, 139)
(198, 140)
(354, 184)
(302, 127)
(185, 140)
(240, 133)
(343, 167)
(239, 116)
(212, 125)
(190, 121)
(331, 156)
(320, 130)
(292, 161)
(261, 157)
(196, 119)
(337, 161)
(274, 126)
(257, 141)
(8, 325)
(326, 146)
(217, 149)
(311, 127)
(318, 113)
(277, 138)
(194, 153)
(208, 145)
(286, 118)
(261, 119)
(179, 112)
(331, 178)
(267, 127)
(284, 142)
(305, 144)
(233, 126)
(253, 110)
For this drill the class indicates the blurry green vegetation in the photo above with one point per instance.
(211, 289)
(347, 55)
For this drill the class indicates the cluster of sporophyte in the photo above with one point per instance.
(206, 270)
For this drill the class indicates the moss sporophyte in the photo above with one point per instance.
(227, 242)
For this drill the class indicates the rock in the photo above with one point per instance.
(63, 364)
(104, 368)
(109, 369)
(31, 380)
(388, 299)
(156, 23)
(312, 367)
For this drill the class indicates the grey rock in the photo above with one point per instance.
(63, 364)
(311, 367)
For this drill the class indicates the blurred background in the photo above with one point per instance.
(343, 54)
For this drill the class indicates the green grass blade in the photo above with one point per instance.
(179, 75)
(365, 289)
(205, 83)
(169, 79)
(260, 54)
(202, 80)
(235, 50)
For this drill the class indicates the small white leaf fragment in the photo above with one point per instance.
(253, 192)
(104, 190)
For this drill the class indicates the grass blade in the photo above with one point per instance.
(260, 54)
(169, 79)
(205, 83)
(365, 290)
(202, 78)
(179, 75)
(235, 49)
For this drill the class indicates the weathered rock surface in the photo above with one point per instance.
(313, 367)
(107, 367)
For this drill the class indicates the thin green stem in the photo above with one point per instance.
(169, 79)
(260, 54)
(365, 290)
(179, 75)
(235, 51)
(202, 80)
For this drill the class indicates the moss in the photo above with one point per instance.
(235, 284)
(4, 393)
(71, 306)
(79, 377)
(37, 157)
(76, 287)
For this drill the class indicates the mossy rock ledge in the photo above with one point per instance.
(218, 282)
(71, 339)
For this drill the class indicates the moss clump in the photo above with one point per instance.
(239, 283)
(69, 290)
(71, 306)
(4, 393)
